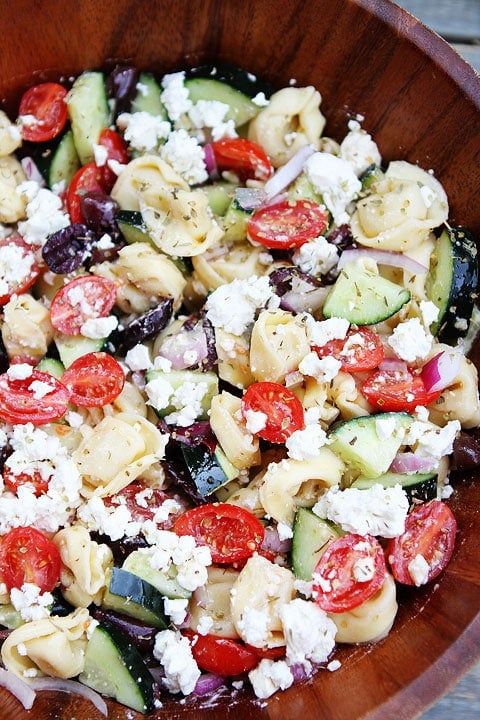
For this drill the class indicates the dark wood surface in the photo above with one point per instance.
(423, 103)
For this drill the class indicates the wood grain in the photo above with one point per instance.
(423, 103)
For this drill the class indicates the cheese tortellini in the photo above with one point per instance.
(404, 207)
(215, 604)
(221, 265)
(115, 452)
(84, 566)
(460, 401)
(262, 587)
(233, 353)
(240, 446)
(12, 203)
(278, 344)
(343, 392)
(26, 328)
(291, 120)
(53, 646)
(10, 135)
(370, 621)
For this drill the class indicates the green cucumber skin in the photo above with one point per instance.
(150, 102)
(71, 347)
(131, 595)
(65, 161)
(88, 112)
(241, 107)
(205, 470)
(137, 564)
(311, 535)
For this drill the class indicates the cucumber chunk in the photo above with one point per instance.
(419, 486)
(177, 378)
(88, 111)
(10, 618)
(234, 76)
(148, 98)
(52, 367)
(241, 108)
(71, 347)
(219, 195)
(65, 161)
(363, 298)
(302, 189)
(131, 595)
(357, 442)
(209, 470)
(137, 564)
(311, 536)
(372, 175)
(235, 223)
(114, 667)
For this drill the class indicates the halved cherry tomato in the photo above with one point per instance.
(283, 409)
(243, 157)
(88, 179)
(274, 653)
(350, 570)
(18, 404)
(287, 224)
(117, 150)
(94, 380)
(18, 253)
(28, 556)
(222, 656)
(46, 102)
(231, 533)
(87, 296)
(392, 390)
(152, 502)
(32, 477)
(361, 350)
(430, 531)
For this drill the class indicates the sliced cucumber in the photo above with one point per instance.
(219, 195)
(239, 79)
(71, 347)
(302, 188)
(177, 378)
(137, 563)
(241, 108)
(65, 161)
(311, 536)
(88, 111)
(52, 367)
(235, 223)
(114, 667)
(420, 486)
(10, 618)
(148, 98)
(370, 177)
(133, 596)
(358, 443)
(363, 298)
(209, 470)
(452, 282)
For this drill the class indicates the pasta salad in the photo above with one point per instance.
(233, 385)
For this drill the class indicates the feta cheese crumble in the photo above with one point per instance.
(431, 441)
(30, 602)
(176, 609)
(285, 532)
(168, 548)
(233, 306)
(309, 633)
(305, 444)
(115, 521)
(418, 570)
(143, 131)
(322, 369)
(138, 358)
(185, 156)
(364, 569)
(15, 267)
(410, 341)
(19, 371)
(334, 178)
(204, 625)
(174, 653)
(320, 332)
(211, 114)
(429, 311)
(187, 401)
(44, 214)
(385, 426)
(270, 676)
(358, 149)
(253, 626)
(316, 257)
(175, 95)
(260, 100)
(98, 328)
(255, 420)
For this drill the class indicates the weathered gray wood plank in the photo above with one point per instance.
(471, 53)
(454, 19)
(461, 702)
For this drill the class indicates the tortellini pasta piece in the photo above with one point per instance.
(240, 446)
(460, 400)
(130, 401)
(10, 135)
(247, 497)
(26, 328)
(84, 566)
(343, 392)
(138, 182)
(233, 353)
(316, 394)
(291, 120)
(12, 203)
(213, 601)
(115, 452)
(54, 646)
(402, 211)
(264, 587)
(220, 265)
(370, 621)
(278, 344)
(283, 481)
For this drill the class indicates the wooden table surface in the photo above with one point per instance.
(458, 21)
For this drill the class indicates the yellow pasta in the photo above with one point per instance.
(278, 344)
(26, 328)
(240, 446)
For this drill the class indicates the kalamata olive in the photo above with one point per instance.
(68, 248)
(342, 238)
(178, 476)
(139, 634)
(199, 433)
(281, 279)
(4, 361)
(100, 211)
(121, 548)
(212, 358)
(60, 606)
(466, 453)
(121, 84)
(143, 328)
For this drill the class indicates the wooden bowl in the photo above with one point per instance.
(422, 102)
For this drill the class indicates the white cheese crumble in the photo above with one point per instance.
(410, 341)
(159, 392)
(305, 444)
(187, 401)
(321, 332)
(253, 626)
(334, 665)
(175, 95)
(336, 181)
(418, 570)
(100, 154)
(322, 369)
(431, 441)
(429, 311)
(143, 131)
(186, 157)
(168, 548)
(20, 371)
(40, 389)
(30, 602)
(161, 363)
(364, 569)
(255, 420)
(138, 358)
(285, 532)
(15, 267)
(233, 306)
(168, 507)
(316, 257)
(105, 242)
(174, 653)
(44, 214)
(260, 100)
(115, 521)
(98, 328)
(270, 676)
(309, 633)
(376, 511)
(204, 625)
(358, 149)
(385, 426)
(211, 114)
(176, 609)
(74, 419)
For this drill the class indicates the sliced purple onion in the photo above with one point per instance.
(299, 302)
(210, 161)
(212, 358)
(73, 688)
(20, 689)
(143, 327)
(250, 198)
(300, 672)
(207, 684)
(272, 542)
(140, 635)
(185, 349)
(441, 371)
(68, 248)
(122, 87)
(409, 462)
(383, 257)
(100, 213)
(31, 171)
(393, 365)
(288, 172)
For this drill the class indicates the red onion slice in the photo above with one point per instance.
(178, 348)
(441, 370)
(208, 683)
(299, 302)
(383, 257)
(272, 542)
(288, 172)
(410, 463)
(250, 198)
(31, 170)
(294, 379)
(18, 688)
(210, 162)
(73, 688)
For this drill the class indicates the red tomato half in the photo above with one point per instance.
(18, 404)
(243, 157)
(94, 380)
(46, 102)
(87, 296)
(287, 224)
(361, 350)
(88, 179)
(13, 482)
(222, 656)
(232, 533)
(392, 390)
(18, 253)
(152, 503)
(352, 569)
(430, 531)
(117, 150)
(283, 409)
(275, 653)
(27, 555)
